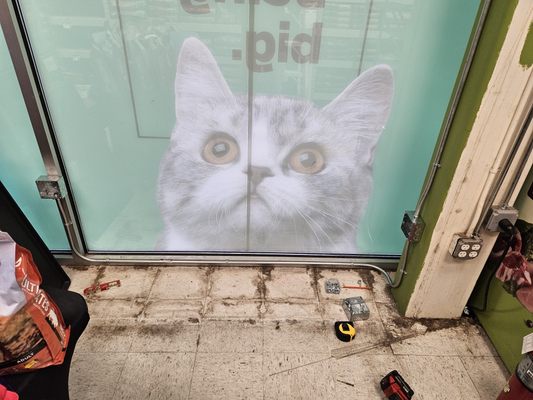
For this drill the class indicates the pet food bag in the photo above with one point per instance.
(33, 334)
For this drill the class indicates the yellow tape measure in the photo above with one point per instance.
(345, 330)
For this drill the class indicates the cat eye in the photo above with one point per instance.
(307, 159)
(220, 149)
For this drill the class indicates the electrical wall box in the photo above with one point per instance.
(465, 247)
(51, 187)
(333, 286)
(499, 214)
(411, 228)
(356, 308)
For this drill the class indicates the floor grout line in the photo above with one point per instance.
(262, 294)
(194, 362)
(207, 298)
(157, 273)
(209, 275)
(469, 377)
(120, 376)
(263, 362)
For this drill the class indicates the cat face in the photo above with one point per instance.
(298, 182)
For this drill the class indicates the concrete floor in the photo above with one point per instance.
(263, 333)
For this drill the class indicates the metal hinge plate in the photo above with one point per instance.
(51, 187)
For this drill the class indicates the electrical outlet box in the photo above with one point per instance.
(411, 228)
(51, 187)
(499, 214)
(356, 308)
(333, 286)
(465, 247)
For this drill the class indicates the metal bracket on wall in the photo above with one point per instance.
(51, 187)
(412, 226)
(498, 214)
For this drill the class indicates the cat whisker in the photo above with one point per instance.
(341, 221)
(334, 198)
(220, 211)
(321, 212)
(286, 199)
(310, 221)
(214, 210)
(319, 242)
(323, 231)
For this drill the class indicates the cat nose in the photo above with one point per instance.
(257, 174)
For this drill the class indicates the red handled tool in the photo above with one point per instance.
(395, 388)
(100, 287)
(355, 287)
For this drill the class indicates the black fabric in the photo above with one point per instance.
(51, 383)
(14, 222)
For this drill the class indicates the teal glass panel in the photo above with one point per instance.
(301, 126)
(20, 161)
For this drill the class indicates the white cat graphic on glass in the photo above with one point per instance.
(300, 185)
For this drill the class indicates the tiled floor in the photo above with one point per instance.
(263, 333)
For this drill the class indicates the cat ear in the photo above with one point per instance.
(198, 78)
(363, 107)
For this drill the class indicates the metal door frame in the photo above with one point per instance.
(11, 20)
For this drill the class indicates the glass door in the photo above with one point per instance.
(263, 126)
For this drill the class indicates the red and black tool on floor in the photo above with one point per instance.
(395, 388)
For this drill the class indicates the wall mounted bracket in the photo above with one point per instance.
(412, 226)
(51, 187)
(499, 214)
